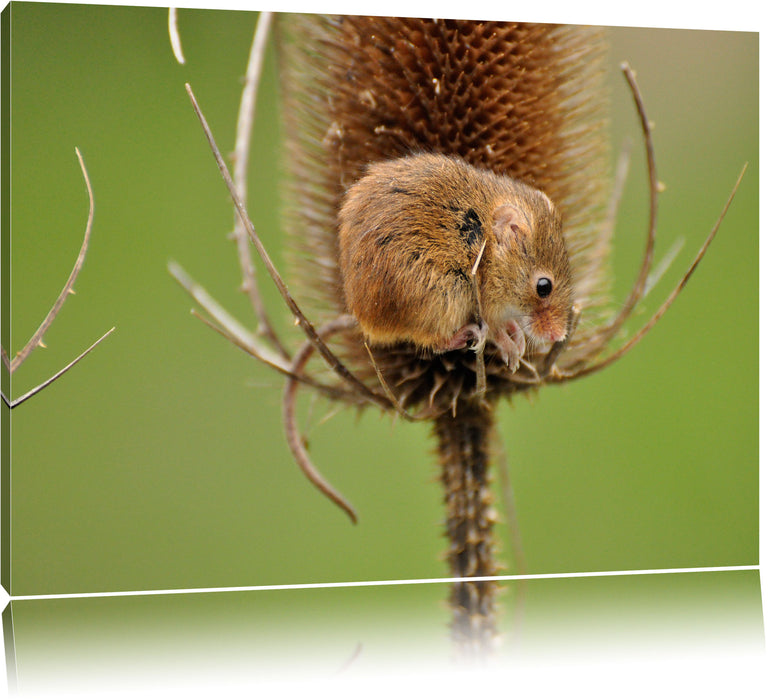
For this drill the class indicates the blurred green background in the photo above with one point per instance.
(160, 462)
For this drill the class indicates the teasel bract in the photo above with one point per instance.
(525, 100)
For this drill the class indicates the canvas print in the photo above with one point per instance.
(375, 299)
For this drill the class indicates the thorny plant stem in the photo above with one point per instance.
(301, 319)
(654, 187)
(463, 448)
(242, 147)
(15, 402)
(37, 338)
(637, 292)
(247, 109)
(230, 328)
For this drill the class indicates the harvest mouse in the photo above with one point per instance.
(410, 232)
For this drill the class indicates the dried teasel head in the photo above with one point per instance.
(524, 100)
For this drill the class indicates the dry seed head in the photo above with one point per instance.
(523, 100)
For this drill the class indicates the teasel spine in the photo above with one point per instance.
(525, 100)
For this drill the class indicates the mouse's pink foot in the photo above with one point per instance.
(510, 340)
(471, 336)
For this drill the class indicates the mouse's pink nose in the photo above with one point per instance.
(549, 324)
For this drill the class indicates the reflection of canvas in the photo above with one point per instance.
(680, 624)
(161, 463)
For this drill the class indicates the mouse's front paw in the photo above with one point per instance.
(472, 336)
(510, 340)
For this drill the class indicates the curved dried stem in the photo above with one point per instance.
(561, 375)
(293, 438)
(247, 109)
(37, 337)
(15, 402)
(301, 319)
(175, 37)
(242, 146)
(654, 187)
(638, 290)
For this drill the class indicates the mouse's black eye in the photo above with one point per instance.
(543, 287)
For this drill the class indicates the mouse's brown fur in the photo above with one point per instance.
(410, 232)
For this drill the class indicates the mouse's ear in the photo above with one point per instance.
(511, 224)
